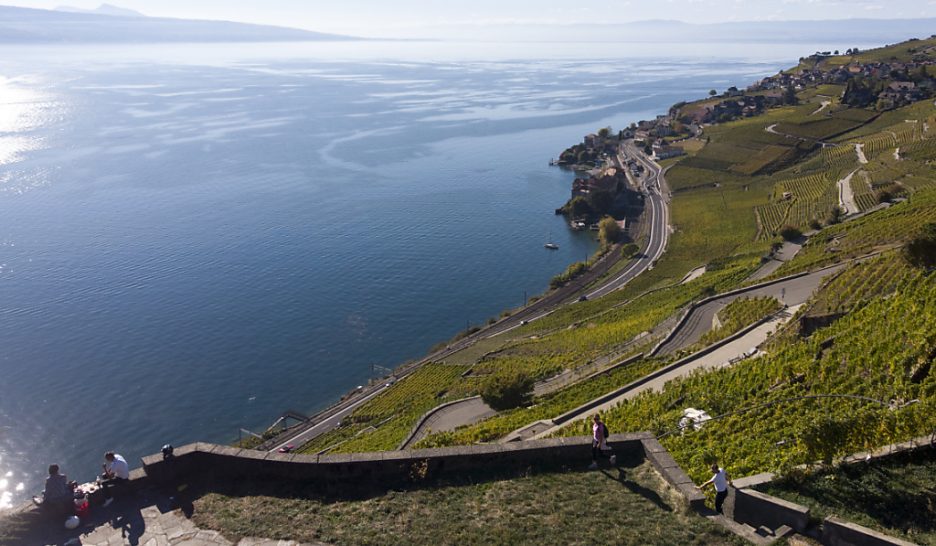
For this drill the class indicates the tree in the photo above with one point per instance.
(507, 389)
(835, 215)
(712, 92)
(629, 250)
(921, 250)
(600, 201)
(578, 207)
(790, 233)
(608, 231)
(789, 96)
(836, 52)
(604, 132)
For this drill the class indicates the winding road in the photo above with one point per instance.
(791, 292)
(656, 203)
(658, 219)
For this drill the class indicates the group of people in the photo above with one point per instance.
(600, 449)
(59, 493)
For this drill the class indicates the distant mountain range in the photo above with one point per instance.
(111, 24)
(103, 9)
(843, 32)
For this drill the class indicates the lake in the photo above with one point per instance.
(195, 238)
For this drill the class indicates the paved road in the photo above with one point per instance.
(331, 422)
(656, 203)
(658, 219)
(466, 412)
(792, 292)
(659, 235)
(725, 355)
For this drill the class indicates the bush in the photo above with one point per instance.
(921, 251)
(608, 231)
(507, 390)
(790, 233)
(835, 215)
(815, 224)
(571, 272)
(629, 250)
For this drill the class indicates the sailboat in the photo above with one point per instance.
(551, 245)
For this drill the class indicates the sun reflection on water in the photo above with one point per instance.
(8, 487)
(22, 111)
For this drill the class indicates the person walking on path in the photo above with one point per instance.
(116, 473)
(599, 441)
(721, 481)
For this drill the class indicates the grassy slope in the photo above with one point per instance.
(896, 496)
(547, 508)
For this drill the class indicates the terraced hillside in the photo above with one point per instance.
(793, 165)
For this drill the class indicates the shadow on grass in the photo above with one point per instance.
(360, 490)
(637, 489)
(896, 493)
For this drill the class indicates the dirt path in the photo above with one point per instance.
(822, 106)
(897, 154)
(859, 150)
(847, 195)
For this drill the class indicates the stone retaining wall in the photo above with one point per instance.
(836, 532)
(759, 509)
(388, 468)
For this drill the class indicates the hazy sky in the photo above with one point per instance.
(397, 17)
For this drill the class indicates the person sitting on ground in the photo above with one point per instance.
(599, 441)
(116, 472)
(721, 481)
(57, 493)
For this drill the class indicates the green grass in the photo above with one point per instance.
(903, 52)
(540, 507)
(861, 283)
(896, 496)
(384, 422)
(543, 407)
(877, 231)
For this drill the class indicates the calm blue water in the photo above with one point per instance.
(196, 238)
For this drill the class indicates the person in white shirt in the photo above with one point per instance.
(116, 472)
(721, 481)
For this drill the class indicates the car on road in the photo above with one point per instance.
(287, 448)
(583, 297)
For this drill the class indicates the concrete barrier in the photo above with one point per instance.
(836, 532)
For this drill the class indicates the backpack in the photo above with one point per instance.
(606, 433)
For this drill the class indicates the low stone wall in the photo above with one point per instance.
(759, 509)
(664, 463)
(836, 532)
(388, 468)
